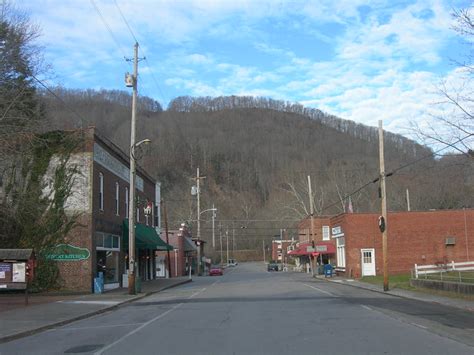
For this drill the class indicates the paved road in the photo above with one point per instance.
(251, 311)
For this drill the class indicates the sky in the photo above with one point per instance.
(360, 60)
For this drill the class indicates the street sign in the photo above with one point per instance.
(382, 224)
(321, 248)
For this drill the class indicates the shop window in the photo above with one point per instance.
(107, 253)
(101, 191)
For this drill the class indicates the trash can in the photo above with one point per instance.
(328, 270)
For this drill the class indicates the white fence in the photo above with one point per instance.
(440, 268)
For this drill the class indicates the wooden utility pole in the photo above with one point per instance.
(383, 196)
(408, 201)
(198, 193)
(263, 244)
(220, 239)
(227, 239)
(132, 212)
(311, 211)
(165, 216)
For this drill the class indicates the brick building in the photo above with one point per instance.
(100, 195)
(418, 237)
(280, 250)
(182, 257)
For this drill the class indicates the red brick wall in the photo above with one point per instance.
(78, 275)
(413, 237)
(304, 228)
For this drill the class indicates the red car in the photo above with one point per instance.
(216, 270)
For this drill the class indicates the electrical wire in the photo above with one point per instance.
(59, 99)
(163, 97)
(344, 198)
(108, 28)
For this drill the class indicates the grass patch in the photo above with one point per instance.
(395, 281)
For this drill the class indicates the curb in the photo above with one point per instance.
(26, 333)
(400, 296)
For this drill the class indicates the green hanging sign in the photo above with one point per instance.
(67, 252)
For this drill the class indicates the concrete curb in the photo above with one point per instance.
(26, 333)
(399, 296)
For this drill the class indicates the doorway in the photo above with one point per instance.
(368, 262)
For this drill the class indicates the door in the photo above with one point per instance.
(368, 262)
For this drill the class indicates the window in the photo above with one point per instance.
(156, 216)
(138, 214)
(101, 191)
(117, 200)
(326, 234)
(341, 253)
(126, 202)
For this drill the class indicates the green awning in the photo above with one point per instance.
(145, 238)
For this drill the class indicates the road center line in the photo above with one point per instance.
(366, 307)
(318, 289)
(146, 324)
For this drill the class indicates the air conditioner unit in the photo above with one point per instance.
(450, 241)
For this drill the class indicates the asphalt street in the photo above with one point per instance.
(252, 311)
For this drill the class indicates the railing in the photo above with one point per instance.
(445, 272)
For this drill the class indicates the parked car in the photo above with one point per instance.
(232, 262)
(216, 270)
(272, 266)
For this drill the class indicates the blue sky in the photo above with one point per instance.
(360, 60)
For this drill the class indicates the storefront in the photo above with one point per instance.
(108, 258)
(147, 242)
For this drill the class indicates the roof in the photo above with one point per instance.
(15, 254)
(189, 245)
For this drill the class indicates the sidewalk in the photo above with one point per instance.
(420, 296)
(40, 315)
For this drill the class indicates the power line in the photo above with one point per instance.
(59, 98)
(163, 97)
(344, 198)
(108, 28)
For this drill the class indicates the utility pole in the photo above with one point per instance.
(264, 258)
(165, 215)
(408, 201)
(227, 238)
(384, 208)
(220, 239)
(213, 232)
(198, 193)
(233, 240)
(132, 212)
(311, 212)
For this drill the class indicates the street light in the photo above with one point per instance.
(214, 210)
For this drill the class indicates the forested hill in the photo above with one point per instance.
(256, 154)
